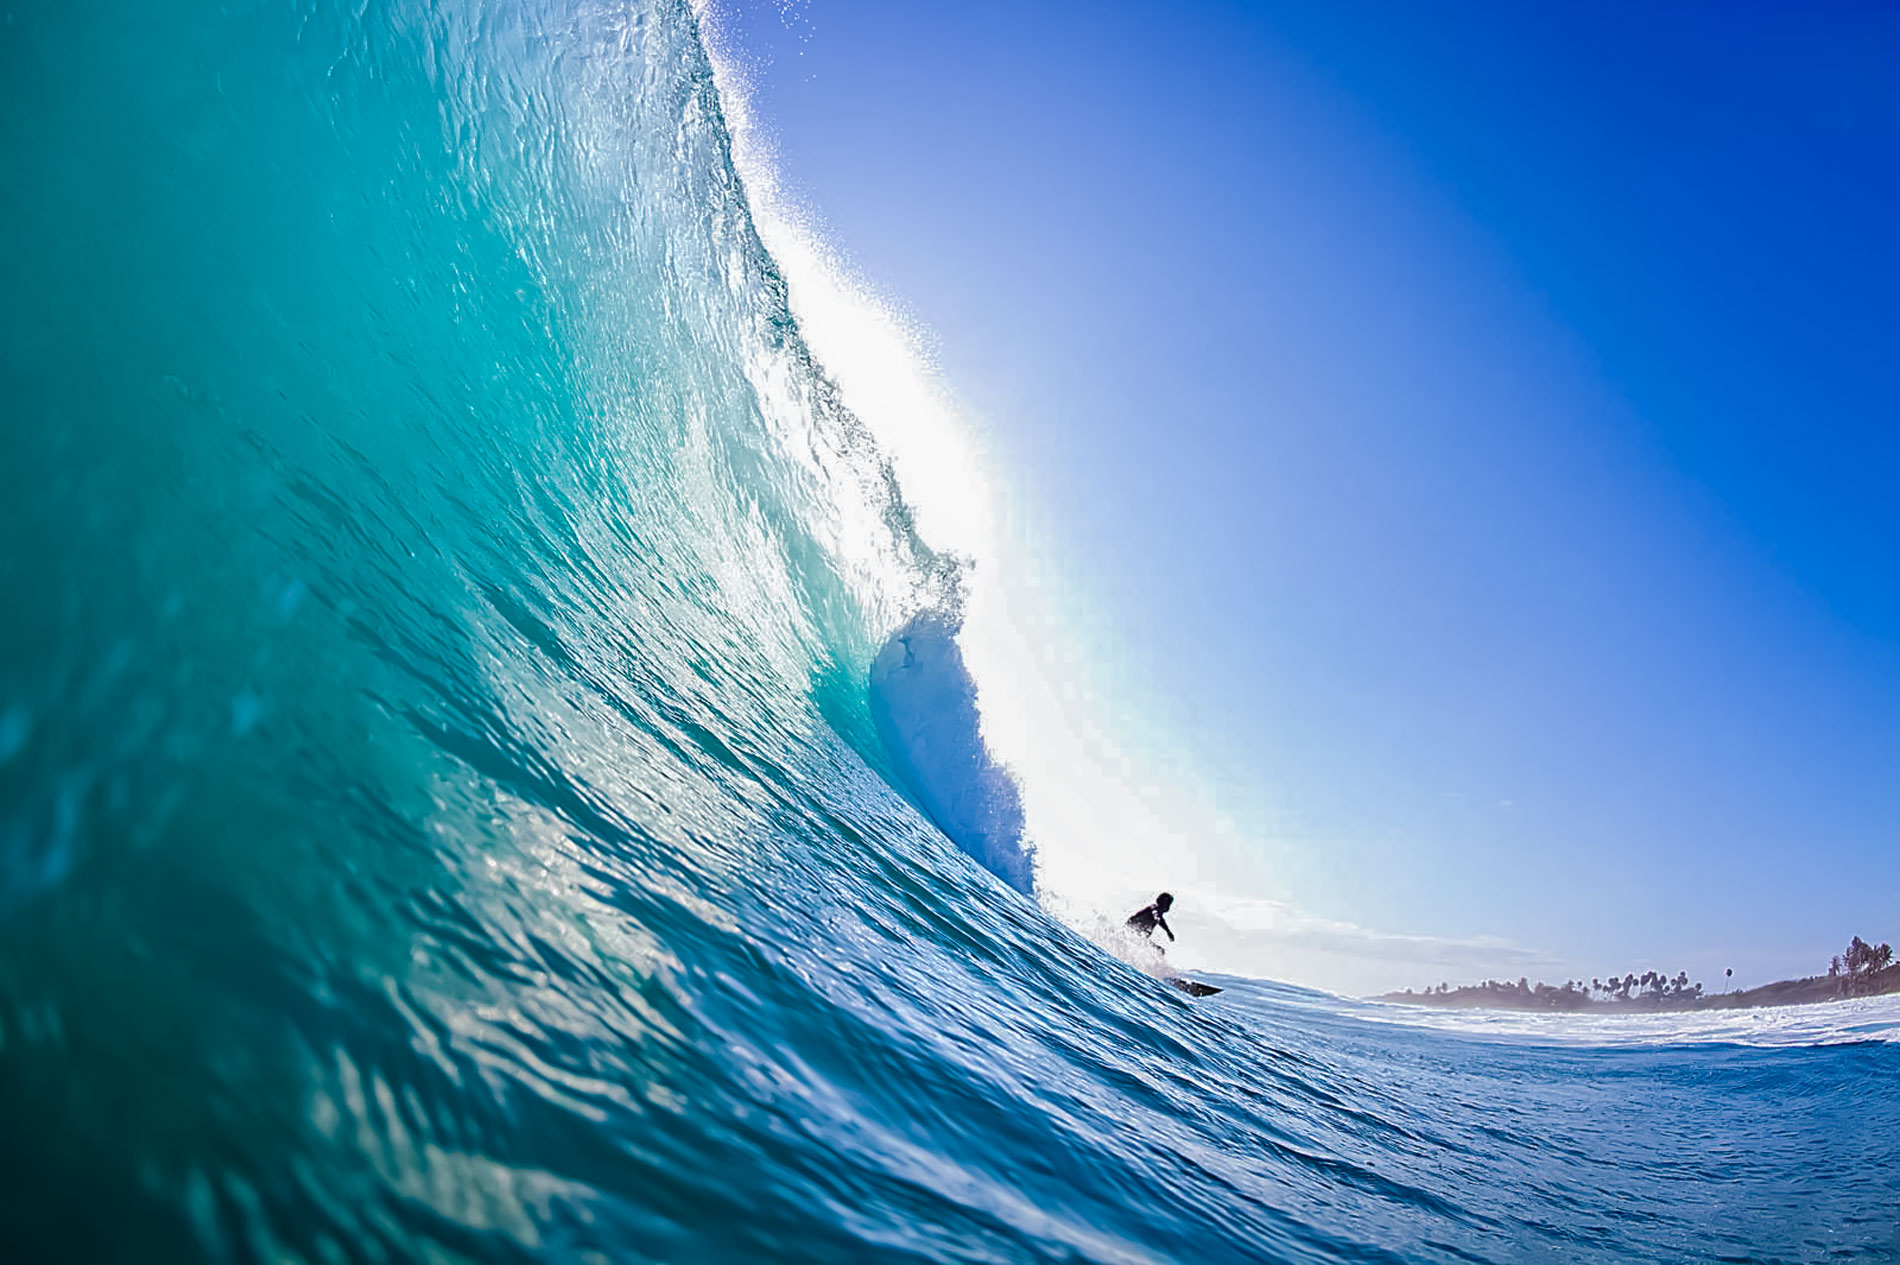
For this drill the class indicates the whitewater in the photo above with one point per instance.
(461, 797)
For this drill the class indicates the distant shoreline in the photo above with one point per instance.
(1494, 995)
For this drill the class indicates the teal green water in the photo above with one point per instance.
(441, 815)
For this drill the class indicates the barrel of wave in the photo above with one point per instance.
(923, 701)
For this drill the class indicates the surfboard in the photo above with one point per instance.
(1193, 987)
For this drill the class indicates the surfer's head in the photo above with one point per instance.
(1164, 902)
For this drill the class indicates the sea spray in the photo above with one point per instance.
(925, 705)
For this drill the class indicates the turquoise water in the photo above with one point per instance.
(442, 811)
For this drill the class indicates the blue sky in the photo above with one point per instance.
(1471, 435)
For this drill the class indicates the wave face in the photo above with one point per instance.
(442, 814)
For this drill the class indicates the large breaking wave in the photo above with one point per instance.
(451, 806)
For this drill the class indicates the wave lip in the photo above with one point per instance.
(923, 701)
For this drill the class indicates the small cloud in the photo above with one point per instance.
(1270, 939)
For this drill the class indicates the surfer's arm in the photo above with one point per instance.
(1163, 924)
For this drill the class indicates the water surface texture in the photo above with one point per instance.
(442, 814)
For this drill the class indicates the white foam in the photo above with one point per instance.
(1816, 1023)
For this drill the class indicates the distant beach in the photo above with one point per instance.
(1865, 970)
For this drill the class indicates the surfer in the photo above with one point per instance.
(1145, 920)
(1148, 917)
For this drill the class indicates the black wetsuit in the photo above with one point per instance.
(1147, 918)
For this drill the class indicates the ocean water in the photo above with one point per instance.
(449, 810)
